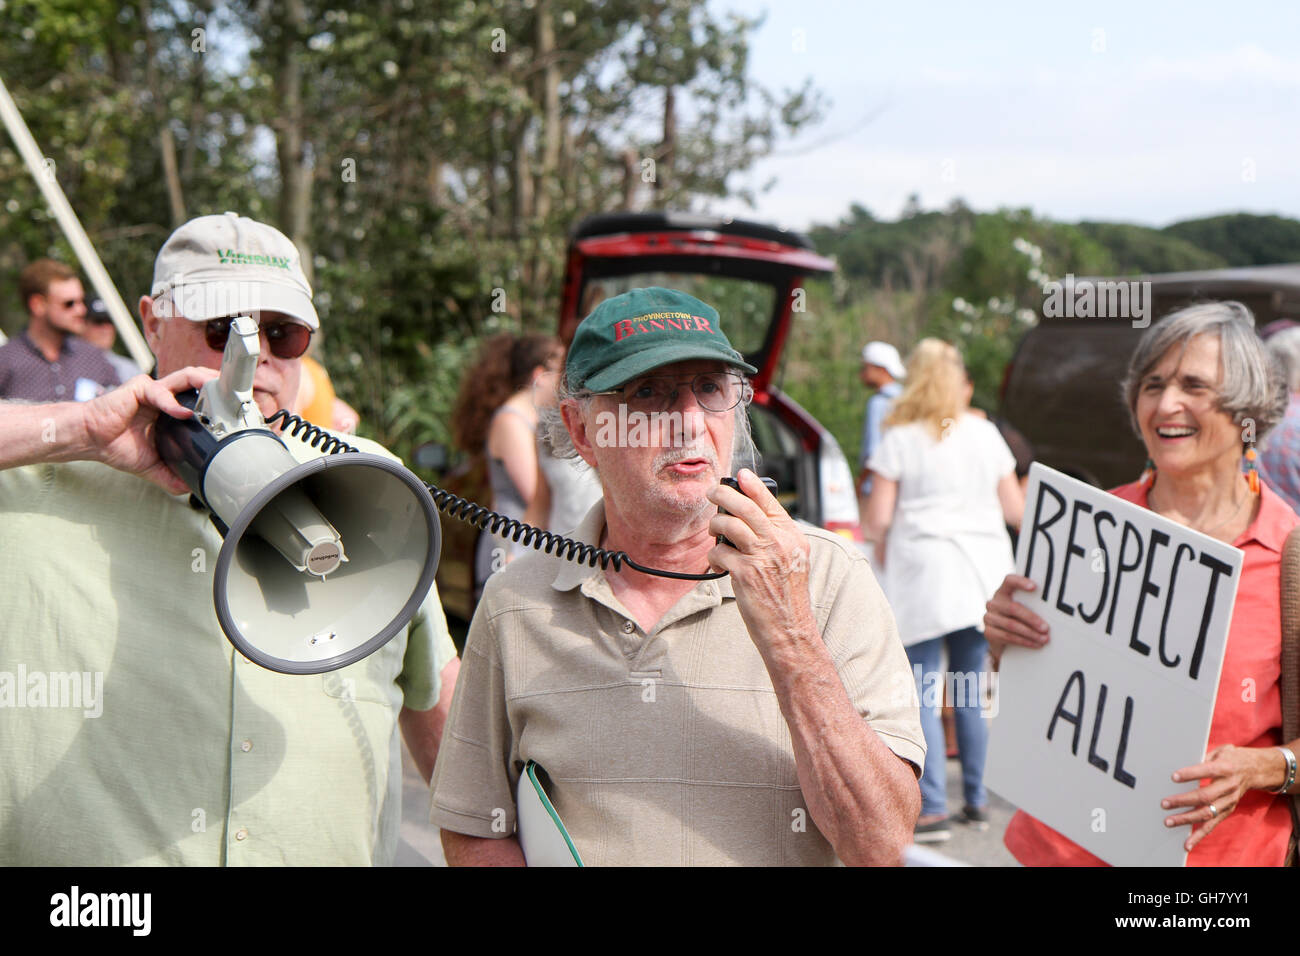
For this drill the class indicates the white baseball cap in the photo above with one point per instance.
(218, 266)
(886, 356)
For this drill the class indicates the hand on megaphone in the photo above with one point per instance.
(120, 425)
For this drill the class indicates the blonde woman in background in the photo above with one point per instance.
(944, 487)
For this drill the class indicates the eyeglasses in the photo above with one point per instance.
(287, 339)
(715, 391)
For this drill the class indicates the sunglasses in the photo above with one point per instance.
(287, 339)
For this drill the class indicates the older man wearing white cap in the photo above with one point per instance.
(138, 734)
(882, 370)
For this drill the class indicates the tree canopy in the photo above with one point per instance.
(428, 158)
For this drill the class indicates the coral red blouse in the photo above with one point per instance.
(1257, 831)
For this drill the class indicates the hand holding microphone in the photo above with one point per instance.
(119, 426)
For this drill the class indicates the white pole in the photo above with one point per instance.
(71, 226)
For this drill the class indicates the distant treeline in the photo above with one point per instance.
(894, 253)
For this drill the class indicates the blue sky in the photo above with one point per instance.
(1140, 112)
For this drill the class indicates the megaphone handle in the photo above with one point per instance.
(486, 519)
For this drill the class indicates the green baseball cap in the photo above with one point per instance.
(643, 329)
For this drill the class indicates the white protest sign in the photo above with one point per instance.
(1091, 726)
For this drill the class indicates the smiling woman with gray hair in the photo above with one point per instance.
(1201, 389)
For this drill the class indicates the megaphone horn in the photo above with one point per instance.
(363, 540)
(323, 562)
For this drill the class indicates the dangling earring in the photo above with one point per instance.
(1148, 473)
(1252, 472)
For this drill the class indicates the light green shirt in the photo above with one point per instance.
(132, 732)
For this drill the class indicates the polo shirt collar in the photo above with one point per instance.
(64, 347)
(571, 574)
(1272, 524)
(1270, 527)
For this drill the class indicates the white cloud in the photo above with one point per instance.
(1156, 182)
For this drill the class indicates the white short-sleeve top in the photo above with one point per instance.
(947, 549)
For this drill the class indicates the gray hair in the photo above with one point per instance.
(1253, 387)
(1285, 348)
(556, 438)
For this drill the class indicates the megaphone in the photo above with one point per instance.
(322, 562)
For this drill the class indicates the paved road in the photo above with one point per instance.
(968, 846)
(419, 844)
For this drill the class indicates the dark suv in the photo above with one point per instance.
(1062, 387)
(753, 274)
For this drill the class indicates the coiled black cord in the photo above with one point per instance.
(487, 520)
(310, 434)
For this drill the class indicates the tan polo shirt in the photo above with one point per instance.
(667, 748)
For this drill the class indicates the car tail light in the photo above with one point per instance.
(839, 497)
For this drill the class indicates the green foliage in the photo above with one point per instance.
(428, 158)
(821, 362)
(1138, 250)
(1243, 240)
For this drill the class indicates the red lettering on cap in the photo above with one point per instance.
(702, 324)
(673, 323)
(656, 324)
(623, 329)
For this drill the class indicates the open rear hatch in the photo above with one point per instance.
(749, 272)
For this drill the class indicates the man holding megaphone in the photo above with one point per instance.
(133, 732)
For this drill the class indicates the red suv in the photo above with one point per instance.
(753, 275)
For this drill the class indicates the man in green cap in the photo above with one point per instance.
(753, 719)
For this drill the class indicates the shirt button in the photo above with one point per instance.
(241, 834)
(628, 627)
(54, 367)
(246, 746)
(59, 389)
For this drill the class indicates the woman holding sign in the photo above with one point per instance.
(944, 489)
(1201, 389)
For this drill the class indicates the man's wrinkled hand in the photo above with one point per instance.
(769, 563)
(121, 425)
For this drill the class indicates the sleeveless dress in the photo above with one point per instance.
(491, 549)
